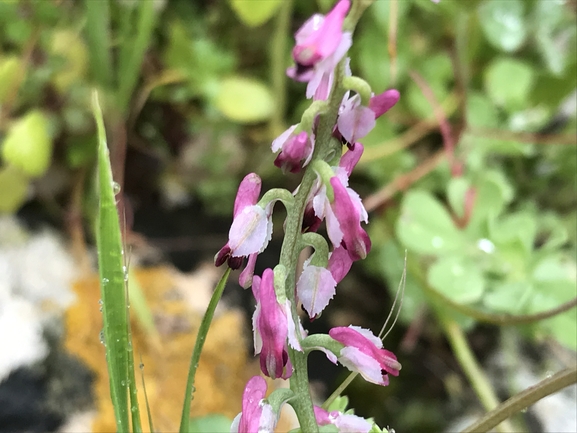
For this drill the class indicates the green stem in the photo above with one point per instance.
(524, 399)
(325, 146)
(199, 343)
(472, 369)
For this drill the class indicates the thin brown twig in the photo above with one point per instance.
(524, 137)
(525, 398)
(402, 182)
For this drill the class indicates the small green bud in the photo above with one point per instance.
(28, 145)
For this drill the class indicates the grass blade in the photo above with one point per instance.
(98, 37)
(112, 284)
(200, 339)
(130, 62)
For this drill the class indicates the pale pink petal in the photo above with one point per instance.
(349, 423)
(249, 232)
(245, 277)
(293, 340)
(334, 230)
(365, 365)
(278, 142)
(356, 123)
(315, 288)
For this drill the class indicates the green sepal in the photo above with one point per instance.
(326, 172)
(361, 87)
(320, 257)
(279, 397)
(314, 341)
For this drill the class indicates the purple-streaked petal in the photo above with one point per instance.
(348, 214)
(252, 396)
(351, 157)
(315, 288)
(340, 263)
(249, 232)
(319, 38)
(248, 192)
(382, 103)
(245, 277)
(273, 328)
(368, 334)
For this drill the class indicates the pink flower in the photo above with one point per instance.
(345, 213)
(251, 228)
(345, 423)
(364, 353)
(356, 121)
(320, 45)
(296, 150)
(257, 415)
(317, 285)
(272, 325)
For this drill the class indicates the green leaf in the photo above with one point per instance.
(508, 82)
(198, 345)
(458, 278)
(28, 144)
(503, 23)
(245, 100)
(493, 192)
(555, 34)
(520, 226)
(426, 227)
(509, 297)
(255, 13)
(13, 189)
(10, 74)
(112, 284)
(456, 191)
(213, 423)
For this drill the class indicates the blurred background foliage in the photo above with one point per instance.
(473, 173)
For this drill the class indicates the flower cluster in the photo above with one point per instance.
(325, 197)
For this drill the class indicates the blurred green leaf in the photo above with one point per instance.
(426, 227)
(209, 424)
(493, 192)
(509, 297)
(71, 48)
(456, 190)
(245, 100)
(13, 189)
(255, 13)
(503, 22)
(508, 83)
(555, 39)
(521, 226)
(10, 75)
(28, 144)
(458, 278)
(80, 150)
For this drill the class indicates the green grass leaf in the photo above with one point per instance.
(112, 284)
